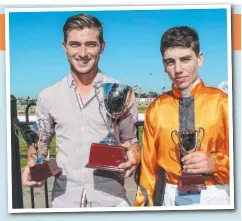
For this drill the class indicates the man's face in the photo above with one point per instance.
(83, 49)
(181, 64)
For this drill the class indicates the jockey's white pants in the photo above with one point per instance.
(213, 195)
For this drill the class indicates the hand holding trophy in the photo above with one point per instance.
(43, 167)
(188, 142)
(108, 154)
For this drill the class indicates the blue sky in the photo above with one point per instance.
(37, 59)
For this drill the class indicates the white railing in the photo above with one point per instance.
(32, 118)
(22, 118)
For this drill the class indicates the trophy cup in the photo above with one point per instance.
(43, 168)
(107, 154)
(188, 142)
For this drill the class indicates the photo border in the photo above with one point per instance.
(120, 8)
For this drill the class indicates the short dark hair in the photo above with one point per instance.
(180, 36)
(82, 21)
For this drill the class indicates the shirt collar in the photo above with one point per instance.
(98, 79)
(197, 86)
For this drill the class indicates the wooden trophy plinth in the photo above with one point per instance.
(42, 171)
(191, 182)
(106, 157)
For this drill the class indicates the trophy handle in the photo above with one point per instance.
(126, 105)
(16, 129)
(203, 133)
(31, 143)
(106, 110)
(22, 131)
(101, 103)
(172, 133)
(137, 87)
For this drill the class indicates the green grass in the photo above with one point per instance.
(142, 108)
(140, 133)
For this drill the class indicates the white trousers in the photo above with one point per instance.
(213, 195)
(123, 203)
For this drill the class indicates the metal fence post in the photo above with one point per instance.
(31, 188)
(45, 184)
(17, 194)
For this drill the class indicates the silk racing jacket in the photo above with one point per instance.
(210, 111)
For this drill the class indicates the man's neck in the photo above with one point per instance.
(186, 92)
(84, 80)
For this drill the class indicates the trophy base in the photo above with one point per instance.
(104, 167)
(191, 182)
(42, 171)
(106, 157)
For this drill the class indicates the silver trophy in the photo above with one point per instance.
(117, 98)
(107, 154)
(29, 132)
(44, 167)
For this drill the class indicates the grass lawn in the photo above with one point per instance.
(140, 132)
(142, 108)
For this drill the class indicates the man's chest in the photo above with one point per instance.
(70, 116)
